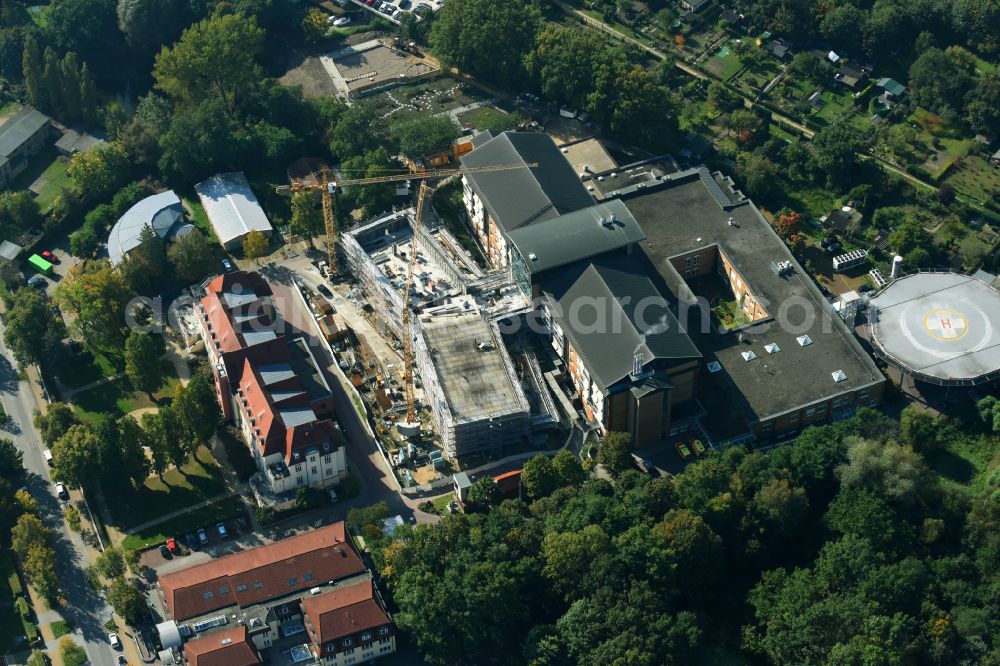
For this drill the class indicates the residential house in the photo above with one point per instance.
(348, 625)
(842, 219)
(850, 75)
(778, 49)
(271, 386)
(21, 136)
(231, 610)
(693, 5)
(892, 91)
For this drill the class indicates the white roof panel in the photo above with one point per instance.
(231, 206)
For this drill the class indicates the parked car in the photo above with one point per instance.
(38, 282)
(340, 22)
(405, 4)
(221, 529)
(699, 446)
(61, 492)
(682, 450)
(323, 289)
(49, 257)
(122, 661)
(172, 545)
(835, 248)
(192, 541)
(115, 642)
(165, 552)
(226, 264)
(48, 457)
(202, 536)
(865, 288)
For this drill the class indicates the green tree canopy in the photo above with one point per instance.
(424, 134)
(142, 361)
(33, 333)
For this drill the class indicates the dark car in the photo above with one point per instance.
(836, 248)
(226, 264)
(165, 552)
(192, 541)
(38, 282)
(202, 536)
(865, 288)
(323, 289)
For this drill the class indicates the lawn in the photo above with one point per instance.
(45, 175)
(226, 509)
(724, 64)
(833, 109)
(60, 628)
(198, 480)
(965, 463)
(12, 632)
(199, 217)
(975, 178)
(116, 397)
(488, 117)
(83, 368)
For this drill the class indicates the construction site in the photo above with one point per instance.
(373, 66)
(476, 394)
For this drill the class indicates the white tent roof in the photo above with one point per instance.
(161, 211)
(170, 634)
(231, 206)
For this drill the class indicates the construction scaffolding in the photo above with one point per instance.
(470, 383)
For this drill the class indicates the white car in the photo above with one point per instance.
(113, 640)
(341, 22)
(61, 492)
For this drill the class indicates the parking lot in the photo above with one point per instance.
(394, 9)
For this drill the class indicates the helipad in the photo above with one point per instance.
(943, 328)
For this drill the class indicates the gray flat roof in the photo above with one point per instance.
(610, 311)
(19, 128)
(231, 206)
(160, 211)
(943, 327)
(275, 372)
(474, 380)
(515, 197)
(581, 234)
(296, 416)
(689, 211)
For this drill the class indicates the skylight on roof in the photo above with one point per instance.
(714, 366)
(838, 375)
(748, 356)
(804, 340)
(772, 348)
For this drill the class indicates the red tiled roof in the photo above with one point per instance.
(222, 648)
(265, 572)
(344, 611)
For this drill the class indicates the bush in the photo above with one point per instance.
(72, 515)
(71, 653)
(265, 515)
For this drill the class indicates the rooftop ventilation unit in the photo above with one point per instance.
(804, 340)
(838, 375)
(532, 256)
(772, 348)
(714, 366)
(748, 356)
(731, 221)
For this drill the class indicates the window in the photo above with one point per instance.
(326, 459)
(765, 428)
(385, 649)
(293, 581)
(331, 647)
(839, 402)
(209, 594)
(298, 468)
(313, 471)
(383, 641)
(810, 412)
(367, 636)
(224, 589)
(348, 642)
(382, 631)
(241, 588)
(258, 585)
(864, 394)
(793, 418)
(329, 472)
(308, 576)
(298, 480)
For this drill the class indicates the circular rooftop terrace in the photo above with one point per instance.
(942, 328)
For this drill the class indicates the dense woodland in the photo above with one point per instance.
(842, 547)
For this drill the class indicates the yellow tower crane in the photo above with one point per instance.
(329, 187)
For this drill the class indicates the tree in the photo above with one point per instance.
(538, 479)
(786, 224)
(33, 332)
(757, 173)
(836, 153)
(29, 531)
(39, 566)
(132, 461)
(142, 362)
(148, 24)
(918, 428)
(982, 105)
(197, 409)
(307, 216)
(722, 98)
(97, 295)
(941, 78)
(890, 470)
(215, 57)
(128, 600)
(563, 63)
(99, 171)
(18, 212)
(615, 454)
(11, 462)
(487, 38)
(192, 257)
(111, 563)
(70, 652)
(70, 82)
(88, 97)
(32, 69)
(55, 422)
(76, 456)
(52, 82)
(908, 235)
(569, 557)
(255, 245)
(424, 134)
(483, 494)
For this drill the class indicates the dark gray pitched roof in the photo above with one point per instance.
(610, 310)
(516, 197)
(581, 234)
(19, 128)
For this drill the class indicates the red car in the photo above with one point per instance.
(172, 546)
(49, 257)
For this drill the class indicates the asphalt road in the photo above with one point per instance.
(85, 608)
